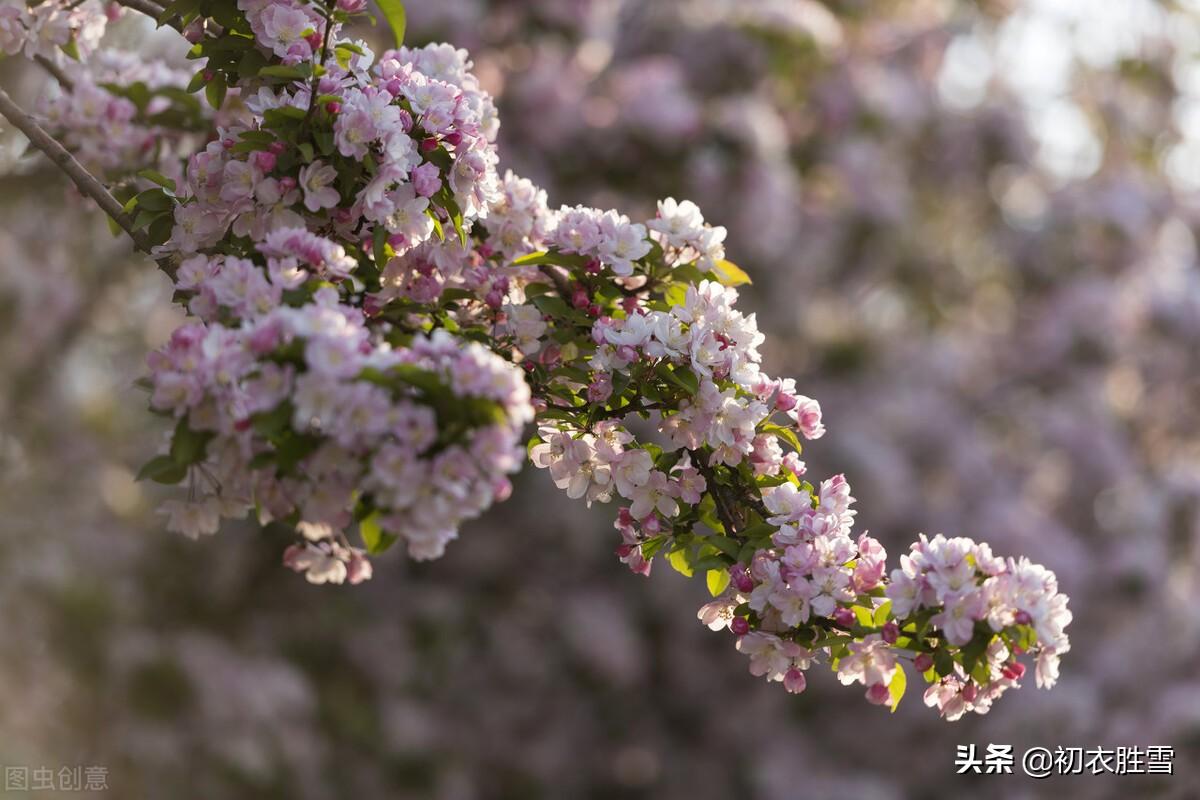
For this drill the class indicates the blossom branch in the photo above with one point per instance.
(83, 180)
(152, 10)
(56, 72)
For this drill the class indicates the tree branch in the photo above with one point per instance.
(83, 180)
(150, 9)
(560, 282)
(56, 71)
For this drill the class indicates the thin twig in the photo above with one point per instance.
(728, 518)
(83, 180)
(560, 282)
(152, 10)
(56, 71)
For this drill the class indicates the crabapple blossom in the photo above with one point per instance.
(378, 315)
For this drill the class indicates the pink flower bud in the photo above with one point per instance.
(1013, 670)
(287, 184)
(333, 107)
(890, 632)
(352, 6)
(1022, 617)
(429, 144)
(624, 518)
(740, 626)
(593, 266)
(785, 401)
(794, 681)
(593, 310)
(923, 662)
(741, 579)
(844, 617)
(453, 139)
(394, 87)
(579, 297)
(879, 694)
(359, 569)
(277, 148)
(970, 692)
(264, 160)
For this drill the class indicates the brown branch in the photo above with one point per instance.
(560, 282)
(152, 10)
(728, 518)
(87, 183)
(56, 72)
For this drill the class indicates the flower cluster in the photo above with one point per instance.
(54, 29)
(116, 130)
(368, 296)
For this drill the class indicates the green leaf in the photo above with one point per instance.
(179, 8)
(215, 91)
(882, 613)
(725, 544)
(71, 48)
(863, 615)
(552, 305)
(294, 72)
(717, 580)
(159, 178)
(787, 434)
(730, 274)
(393, 12)
(196, 83)
(375, 539)
(679, 560)
(379, 246)
(651, 546)
(551, 257)
(188, 446)
(897, 686)
(155, 200)
(162, 469)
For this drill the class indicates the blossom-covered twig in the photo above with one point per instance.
(87, 183)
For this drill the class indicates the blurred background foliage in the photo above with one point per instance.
(972, 232)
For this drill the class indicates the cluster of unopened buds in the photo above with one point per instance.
(380, 315)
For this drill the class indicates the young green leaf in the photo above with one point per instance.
(393, 12)
(730, 274)
(717, 580)
(897, 686)
(375, 539)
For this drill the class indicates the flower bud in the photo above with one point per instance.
(741, 579)
(844, 617)
(740, 626)
(879, 694)
(923, 662)
(890, 632)
(794, 681)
